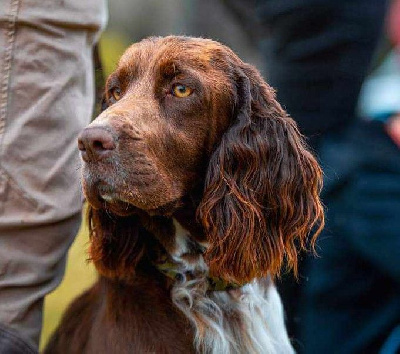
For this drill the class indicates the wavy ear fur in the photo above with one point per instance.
(115, 245)
(261, 199)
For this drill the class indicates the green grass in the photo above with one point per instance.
(112, 46)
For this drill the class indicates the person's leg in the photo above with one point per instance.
(46, 98)
(32, 262)
(350, 302)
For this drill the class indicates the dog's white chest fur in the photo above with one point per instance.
(245, 320)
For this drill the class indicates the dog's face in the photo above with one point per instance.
(167, 105)
(184, 114)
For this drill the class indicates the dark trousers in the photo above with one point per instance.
(350, 299)
(317, 54)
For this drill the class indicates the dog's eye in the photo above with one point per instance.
(115, 93)
(179, 90)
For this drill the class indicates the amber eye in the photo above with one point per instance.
(115, 93)
(179, 90)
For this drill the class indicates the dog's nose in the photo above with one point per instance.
(95, 143)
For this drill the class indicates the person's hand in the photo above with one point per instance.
(392, 128)
(393, 23)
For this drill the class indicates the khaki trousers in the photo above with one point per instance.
(46, 98)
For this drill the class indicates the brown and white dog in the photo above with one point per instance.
(200, 187)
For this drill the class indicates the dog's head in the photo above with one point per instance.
(185, 113)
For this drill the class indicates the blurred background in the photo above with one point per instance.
(335, 66)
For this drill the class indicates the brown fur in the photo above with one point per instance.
(226, 162)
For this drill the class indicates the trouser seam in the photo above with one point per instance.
(5, 79)
(6, 69)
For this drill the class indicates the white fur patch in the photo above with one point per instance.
(181, 239)
(245, 320)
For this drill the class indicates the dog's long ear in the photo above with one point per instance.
(115, 245)
(261, 200)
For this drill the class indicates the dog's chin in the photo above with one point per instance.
(122, 206)
(112, 205)
(152, 200)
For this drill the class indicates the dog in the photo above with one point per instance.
(200, 188)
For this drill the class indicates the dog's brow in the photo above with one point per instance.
(168, 69)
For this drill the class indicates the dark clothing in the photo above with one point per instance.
(12, 343)
(317, 54)
(351, 301)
